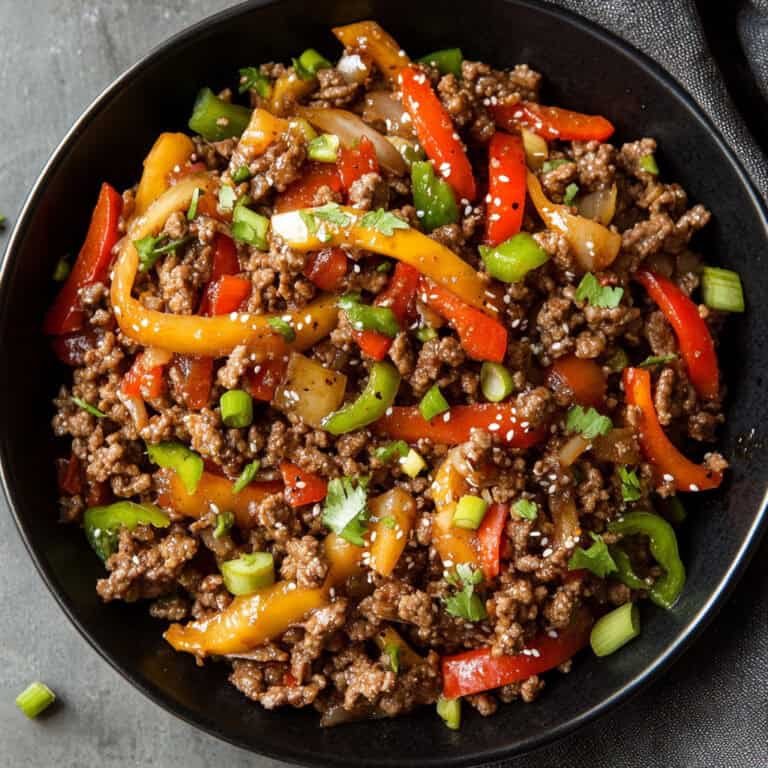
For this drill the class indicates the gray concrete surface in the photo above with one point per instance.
(54, 58)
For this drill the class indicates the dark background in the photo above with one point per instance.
(710, 710)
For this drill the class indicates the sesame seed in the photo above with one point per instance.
(547, 552)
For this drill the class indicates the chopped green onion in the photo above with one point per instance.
(236, 408)
(34, 699)
(392, 652)
(413, 463)
(309, 63)
(649, 165)
(433, 403)
(364, 317)
(62, 270)
(653, 360)
(88, 408)
(227, 197)
(450, 712)
(615, 629)
(469, 512)
(251, 78)
(184, 462)
(387, 452)
(224, 521)
(513, 259)
(426, 333)
(550, 165)
(526, 509)
(192, 210)
(618, 361)
(570, 193)
(495, 382)
(283, 327)
(246, 476)
(241, 174)
(215, 119)
(410, 152)
(721, 289)
(447, 61)
(324, 148)
(102, 524)
(248, 573)
(250, 227)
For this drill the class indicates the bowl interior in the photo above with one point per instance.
(584, 69)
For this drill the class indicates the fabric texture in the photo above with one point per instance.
(671, 33)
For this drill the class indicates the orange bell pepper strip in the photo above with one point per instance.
(693, 336)
(656, 446)
(482, 337)
(263, 380)
(213, 491)
(263, 130)
(489, 538)
(326, 268)
(405, 422)
(392, 517)
(399, 296)
(552, 122)
(368, 37)
(169, 152)
(595, 246)
(144, 382)
(436, 133)
(584, 379)
(474, 671)
(206, 336)
(406, 245)
(355, 162)
(91, 266)
(301, 193)
(302, 487)
(506, 187)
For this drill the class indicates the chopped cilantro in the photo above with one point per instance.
(570, 193)
(346, 508)
(88, 408)
(383, 221)
(630, 484)
(151, 248)
(652, 360)
(246, 476)
(465, 603)
(589, 423)
(251, 78)
(526, 509)
(598, 295)
(597, 559)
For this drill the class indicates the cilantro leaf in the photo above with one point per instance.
(346, 509)
(383, 221)
(597, 295)
(88, 408)
(526, 509)
(151, 248)
(333, 214)
(252, 79)
(392, 651)
(630, 484)
(465, 603)
(597, 559)
(652, 360)
(589, 423)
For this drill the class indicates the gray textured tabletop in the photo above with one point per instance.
(709, 710)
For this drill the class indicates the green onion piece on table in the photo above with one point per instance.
(450, 712)
(495, 382)
(447, 61)
(615, 629)
(236, 408)
(250, 227)
(433, 197)
(184, 462)
(721, 289)
(469, 512)
(371, 404)
(248, 573)
(215, 119)
(324, 148)
(35, 698)
(363, 317)
(513, 259)
(102, 524)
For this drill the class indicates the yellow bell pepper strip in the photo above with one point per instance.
(193, 334)
(169, 151)
(288, 90)
(394, 513)
(262, 131)
(595, 246)
(213, 491)
(369, 37)
(312, 229)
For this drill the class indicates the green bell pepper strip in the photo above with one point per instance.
(371, 405)
(447, 61)
(663, 544)
(215, 119)
(102, 524)
(513, 259)
(624, 570)
(364, 317)
(184, 462)
(433, 198)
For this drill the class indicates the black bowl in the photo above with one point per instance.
(586, 69)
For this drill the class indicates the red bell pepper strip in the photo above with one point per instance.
(583, 378)
(228, 293)
(355, 162)
(437, 133)
(262, 381)
(656, 446)
(482, 337)
(693, 336)
(92, 265)
(70, 348)
(453, 427)
(506, 187)
(196, 379)
(301, 193)
(302, 487)
(70, 478)
(326, 268)
(489, 538)
(225, 262)
(475, 671)
(552, 122)
(400, 297)
(143, 382)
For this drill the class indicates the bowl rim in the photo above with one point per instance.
(297, 755)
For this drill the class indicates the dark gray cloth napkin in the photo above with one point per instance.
(671, 33)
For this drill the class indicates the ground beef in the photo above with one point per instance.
(433, 356)
(333, 90)
(304, 562)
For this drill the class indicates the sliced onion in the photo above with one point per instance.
(349, 128)
(354, 68)
(152, 357)
(137, 409)
(599, 205)
(536, 149)
(618, 446)
(572, 450)
(382, 106)
(566, 519)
